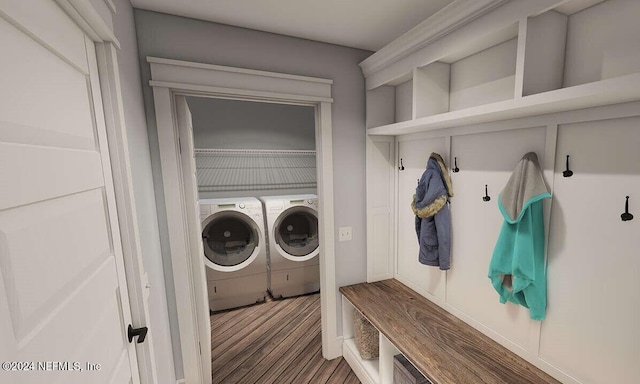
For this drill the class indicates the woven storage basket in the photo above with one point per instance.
(366, 337)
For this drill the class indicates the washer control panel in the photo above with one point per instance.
(205, 211)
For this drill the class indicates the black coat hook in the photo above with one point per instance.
(568, 172)
(486, 194)
(401, 167)
(626, 216)
(455, 165)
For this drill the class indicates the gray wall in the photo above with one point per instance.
(143, 186)
(235, 124)
(181, 38)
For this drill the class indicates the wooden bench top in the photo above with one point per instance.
(443, 347)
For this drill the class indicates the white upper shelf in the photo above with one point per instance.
(521, 59)
(605, 92)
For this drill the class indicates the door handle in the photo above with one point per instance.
(140, 332)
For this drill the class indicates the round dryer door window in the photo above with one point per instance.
(229, 239)
(296, 232)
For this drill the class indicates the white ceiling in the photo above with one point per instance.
(366, 24)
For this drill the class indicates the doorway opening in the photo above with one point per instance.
(173, 81)
(257, 198)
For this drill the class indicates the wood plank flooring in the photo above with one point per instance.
(276, 342)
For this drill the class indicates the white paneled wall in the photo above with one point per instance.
(485, 159)
(590, 334)
(556, 78)
(380, 199)
(591, 330)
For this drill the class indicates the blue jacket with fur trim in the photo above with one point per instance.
(433, 221)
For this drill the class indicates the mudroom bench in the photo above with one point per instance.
(442, 347)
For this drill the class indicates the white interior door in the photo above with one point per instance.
(64, 307)
(202, 322)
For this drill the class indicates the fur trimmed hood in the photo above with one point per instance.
(434, 188)
(430, 209)
(444, 172)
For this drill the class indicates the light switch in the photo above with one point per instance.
(344, 233)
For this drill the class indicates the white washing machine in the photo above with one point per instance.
(235, 251)
(292, 226)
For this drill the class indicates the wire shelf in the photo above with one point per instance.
(225, 170)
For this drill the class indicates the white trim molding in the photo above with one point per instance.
(450, 18)
(172, 79)
(84, 13)
(245, 71)
(107, 63)
(380, 206)
(249, 83)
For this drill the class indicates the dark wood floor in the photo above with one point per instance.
(274, 342)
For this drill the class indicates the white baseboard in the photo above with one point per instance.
(334, 349)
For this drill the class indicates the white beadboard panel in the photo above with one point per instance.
(246, 170)
(379, 255)
(487, 158)
(595, 53)
(380, 201)
(591, 331)
(483, 78)
(415, 154)
(75, 227)
(45, 20)
(32, 173)
(49, 102)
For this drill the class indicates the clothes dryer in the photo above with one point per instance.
(293, 261)
(235, 251)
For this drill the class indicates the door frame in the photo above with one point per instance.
(137, 281)
(171, 78)
(109, 104)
